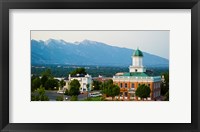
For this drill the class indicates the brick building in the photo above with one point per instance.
(137, 75)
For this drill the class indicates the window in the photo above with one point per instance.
(132, 85)
(125, 94)
(120, 85)
(155, 86)
(135, 70)
(125, 85)
(149, 85)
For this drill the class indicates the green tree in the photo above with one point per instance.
(165, 84)
(88, 85)
(50, 84)
(35, 83)
(78, 71)
(106, 84)
(96, 85)
(110, 89)
(166, 97)
(74, 87)
(59, 98)
(39, 95)
(46, 75)
(74, 98)
(62, 83)
(66, 92)
(143, 91)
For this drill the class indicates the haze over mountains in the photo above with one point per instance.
(87, 52)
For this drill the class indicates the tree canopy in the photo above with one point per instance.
(165, 84)
(110, 89)
(74, 87)
(96, 85)
(39, 95)
(143, 91)
(78, 71)
(36, 82)
(51, 84)
(62, 83)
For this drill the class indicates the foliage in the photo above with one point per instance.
(74, 87)
(59, 98)
(166, 96)
(47, 73)
(95, 71)
(165, 84)
(105, 84)
(66, 92)
(36, 82)
(44, 79)
(96, 85)
(110, 89)
(88, 86)
(50, 84)
(94, 99)
(143, 91)
(74, 98)
(39, 95)
(62, 83)
(78, 71)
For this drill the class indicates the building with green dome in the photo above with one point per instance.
(137, 75)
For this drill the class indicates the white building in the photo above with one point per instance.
(83, 80)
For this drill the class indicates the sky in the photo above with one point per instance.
(154, 42)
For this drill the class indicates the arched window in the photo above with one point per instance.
(132, 85)
(125, 85)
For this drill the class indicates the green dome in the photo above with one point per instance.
(138, 53)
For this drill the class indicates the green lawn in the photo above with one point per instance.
(94, 99)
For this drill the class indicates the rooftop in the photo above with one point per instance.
(138, 53)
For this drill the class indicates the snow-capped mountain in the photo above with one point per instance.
(86, 52)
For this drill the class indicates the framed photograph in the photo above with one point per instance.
(99, 65)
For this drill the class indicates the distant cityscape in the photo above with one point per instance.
(134, 83)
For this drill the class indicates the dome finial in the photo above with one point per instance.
(138, 52)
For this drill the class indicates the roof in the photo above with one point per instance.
(136, 74)
(78, 75)
(138, 53)
(148, 73)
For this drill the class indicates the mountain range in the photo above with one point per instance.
(87, 52)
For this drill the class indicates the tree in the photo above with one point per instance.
(74, 87)
(39, 95)
(35, 83)
(62, 83)
(143, 91)
(165, 84)
(96, 84)
(105, 84)
(66, 92)
(47, 73)
(59, 98)
(51, 84)
(110, 89)
(78, 71)
(88, 85)
(166, 96)
(45, 76)
(74, 98)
